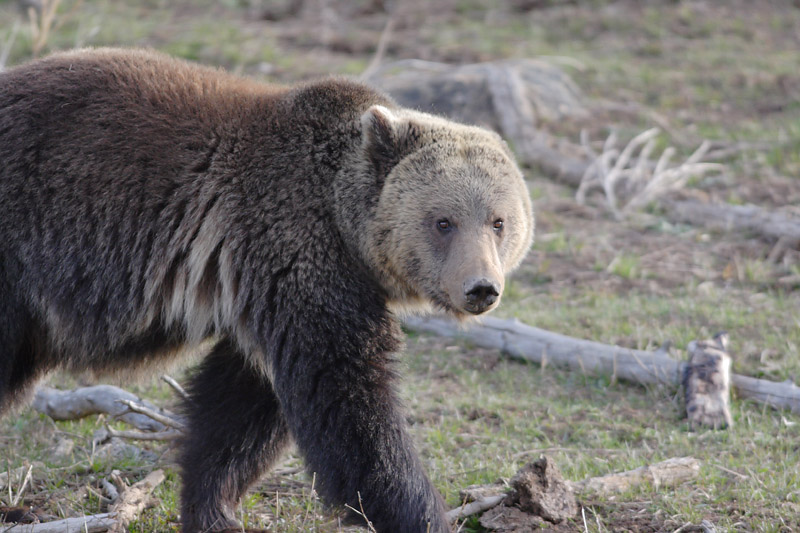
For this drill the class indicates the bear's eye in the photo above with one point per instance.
(498, 224)
(443, 224)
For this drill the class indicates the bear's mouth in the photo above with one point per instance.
(478, 309)
(444, 303)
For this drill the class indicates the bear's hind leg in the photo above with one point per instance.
(236, 432)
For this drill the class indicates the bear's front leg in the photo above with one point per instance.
(334, 379)
(236, 432)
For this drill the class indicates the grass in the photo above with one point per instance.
(477, 417)
(643, 320)
(495, 421)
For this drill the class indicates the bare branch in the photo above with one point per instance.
(380, 51)
(165, 419)
(475, 507)
(642, 185)
(170, 434)
(169, 380)
(112, 494)
(15, 500)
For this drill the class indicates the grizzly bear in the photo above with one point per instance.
(148, 204)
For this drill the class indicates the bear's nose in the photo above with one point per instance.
(480, 294)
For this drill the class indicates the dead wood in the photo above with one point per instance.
(773, 225)
(133, 500)
(130, 503)
(525, 342)
(16, 477)
(667, 473)
(83, 524)
(169, 434)
(632, 182)
(107, 399)
(86, 401)
(169, 380)
(510, 519)
(168, 420)
(539, 490)
(707, 383)
(478, 506)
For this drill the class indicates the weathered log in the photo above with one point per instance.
(86, 401)
(752, 219)
(667, 473)
(525, 342)
(707, 382)
(82, 524)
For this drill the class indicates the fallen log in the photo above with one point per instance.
(82, 524)
(525, 342)
(707, 382)
(107, 399)
(774, 225)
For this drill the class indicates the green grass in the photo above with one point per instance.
(488, 424)
(765, 321)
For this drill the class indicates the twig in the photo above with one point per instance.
(85, 401)
(475, 507)
(170, 434)
(380, 51)
(110, 490)
(21, 490)
(361, 513)
(169, 380)
(732, 472)
(155, 415)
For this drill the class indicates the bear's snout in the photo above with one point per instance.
(480, 294)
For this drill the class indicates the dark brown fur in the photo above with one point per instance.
(147, 204)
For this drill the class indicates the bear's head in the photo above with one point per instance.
(450, 214)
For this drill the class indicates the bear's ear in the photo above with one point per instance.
(380, 139)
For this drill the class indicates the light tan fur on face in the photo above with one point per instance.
(465, 174)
